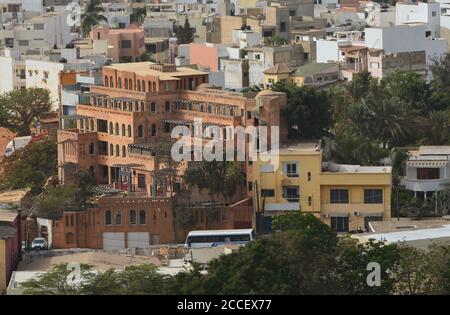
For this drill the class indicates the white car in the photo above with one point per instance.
(39, 243)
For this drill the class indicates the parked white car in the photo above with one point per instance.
(39, 243)
(16, 143)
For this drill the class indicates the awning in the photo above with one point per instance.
(426, 164)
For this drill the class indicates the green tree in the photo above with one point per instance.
(85, 181)
(138, 15)
(133, 280)
(276, 41)
(308, 110)
(354, 149)
(92, 16)
(53, 203)
(219, 177)
(185, 34)
(58, 281)
(398, 159)
(146, 56)
(291, 262)
(421, 272)
(353, 260)
(30, 166)
(19, 109)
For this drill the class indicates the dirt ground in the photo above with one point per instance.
(5, 137)
(98, 259)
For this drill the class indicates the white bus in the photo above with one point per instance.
(214, 238)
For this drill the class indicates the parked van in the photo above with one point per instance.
(16, 143)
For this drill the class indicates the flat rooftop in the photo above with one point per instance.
(300, 147)
(348, 168)
(13, 196)
(8, 216)
(145, 68)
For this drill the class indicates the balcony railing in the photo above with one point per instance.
(424, 184)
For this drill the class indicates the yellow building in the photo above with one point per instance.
(312, 74)
(279, 72)
(347, 197)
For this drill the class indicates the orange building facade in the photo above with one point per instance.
(123, 136)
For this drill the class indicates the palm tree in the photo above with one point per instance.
(398, 159)
(92, 16)
(439, 127)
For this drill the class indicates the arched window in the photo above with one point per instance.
(123, 130)
(108, 218)
(126, 84)
(106, 83)
(82, 124)
(140, 131)
(130, 84)
(124, 151)
(117, 129)
(118, 217)
(111, 128)
(149, 86)
(119, 83)
(153, 107)
(132, 217)
(92, 125)
(117, 150)
(153, 130)
(143, 86)
(111, 81)
(111, 149)
(142, 106)
(91, 148)
(167, 106)
(129, 131)
(142, 217)
(139, 85)
(154, 87)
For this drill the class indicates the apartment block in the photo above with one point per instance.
(122, 135)
(347, 197)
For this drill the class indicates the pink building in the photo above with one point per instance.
(122, 43)
(207, 55)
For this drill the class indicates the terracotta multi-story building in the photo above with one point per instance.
(123, 136)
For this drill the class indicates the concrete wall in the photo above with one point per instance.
(36, 77)
(6, 74)
(327, 50)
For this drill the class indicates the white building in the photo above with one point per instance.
(44, 74)
(426, 13)
(427, 170)
(405, 38)
(379, 15)
(246, 38)
(37, 35)
(25, 5)
(12, 74)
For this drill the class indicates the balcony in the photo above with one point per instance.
(424, 184)
(287, 206)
